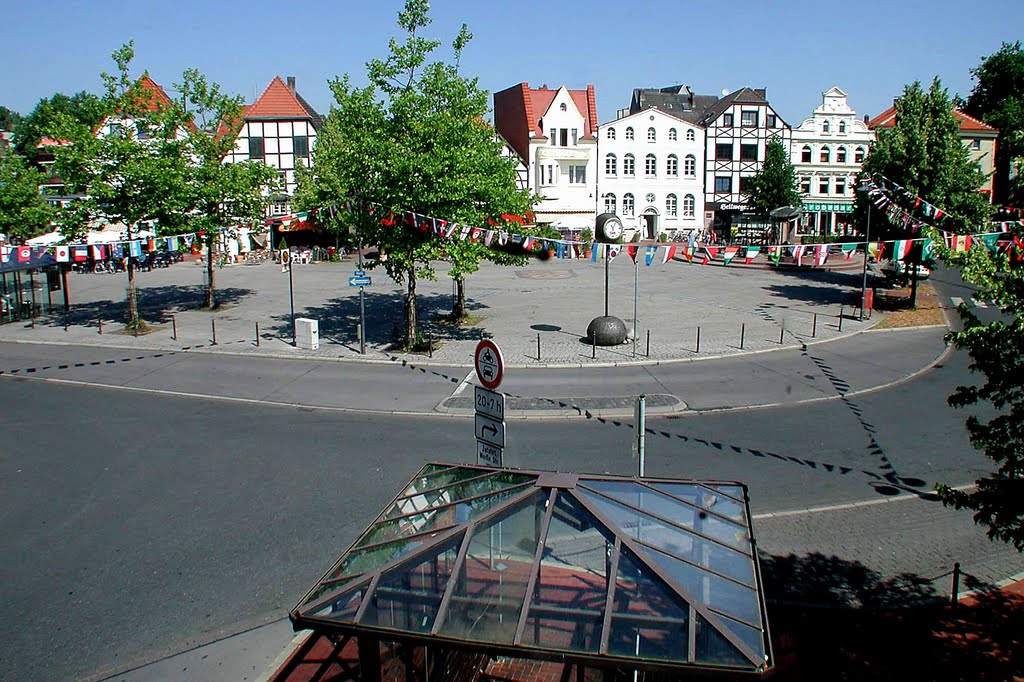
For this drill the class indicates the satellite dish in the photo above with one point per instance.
(725, 91)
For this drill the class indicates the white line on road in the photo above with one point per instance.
(846, 505)
(465, 383)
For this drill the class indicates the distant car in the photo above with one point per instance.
(897, 268)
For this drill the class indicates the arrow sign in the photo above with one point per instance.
(490, 430)
(359, 281)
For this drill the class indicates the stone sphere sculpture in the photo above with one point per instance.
(606, 331)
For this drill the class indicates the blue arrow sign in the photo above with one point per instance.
(359, 273)
(359, 281)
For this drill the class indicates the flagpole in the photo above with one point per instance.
(867, 250)
(606, 259)
(636, 273)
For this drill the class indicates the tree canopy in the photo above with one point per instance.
(83, 107)
(24, 212)
(9, 119)
(774, 185)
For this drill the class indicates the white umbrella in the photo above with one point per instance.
(48, 239)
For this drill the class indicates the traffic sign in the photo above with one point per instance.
(487, 454)
(489, 365)
(490, 430)
(488, 402)
(359, 281)
(359, 273)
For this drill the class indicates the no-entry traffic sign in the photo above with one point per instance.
(489, 365)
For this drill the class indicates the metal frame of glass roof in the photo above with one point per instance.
(598, 569)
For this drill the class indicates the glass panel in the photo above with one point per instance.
(703, 497)
(572, 584)
(752, 637)
(363, 560)
(343, 608)
(455, 491)
(407, 598)
(674, 540)
(490, 589)
(323, 591)
(708, 588)
(712, 647)
(648, 619)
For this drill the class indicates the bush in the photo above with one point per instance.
(662, 237)
(587, 235)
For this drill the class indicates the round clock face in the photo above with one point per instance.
(612, 229)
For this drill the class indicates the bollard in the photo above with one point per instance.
(174, 327)
(648, 343)
(257, 334)
(954, 595)
(782, 332)
(698, 340)
(840, 319)
(101, 325)
(538, 346)
(814, 326)
(430, 344)
(213, 328)
(65, 323)
(593, 348)
(743, 334)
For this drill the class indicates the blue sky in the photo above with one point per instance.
(796, 49)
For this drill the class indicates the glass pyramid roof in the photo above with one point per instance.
(612, 570)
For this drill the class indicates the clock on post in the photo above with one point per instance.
(607, 330)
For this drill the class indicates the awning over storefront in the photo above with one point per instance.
(26, 258)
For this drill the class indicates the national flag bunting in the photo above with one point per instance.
(669, 253)
(729, 253)
(63, 254)
(752, 252)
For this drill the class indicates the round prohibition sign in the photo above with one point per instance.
(488, 363)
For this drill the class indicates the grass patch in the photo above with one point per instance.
(899, 314)
(466, 320)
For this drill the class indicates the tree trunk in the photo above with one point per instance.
(410, 310)
(211, 299)
(459, 304)
(133, 301)
(915, 261)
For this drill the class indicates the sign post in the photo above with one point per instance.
(286, 266)
(360, 279)
(489, 405)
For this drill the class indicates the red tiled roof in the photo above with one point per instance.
(971, 123)
(49, 142)
(278, 101)
(887, 119)
(518, 109)
(154, 95)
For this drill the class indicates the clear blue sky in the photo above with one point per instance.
(797, 49)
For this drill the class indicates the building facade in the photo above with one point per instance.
(828, 150)
(554, 134)
(650, 173)
(280, 129)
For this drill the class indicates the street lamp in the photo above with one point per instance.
(864, 187)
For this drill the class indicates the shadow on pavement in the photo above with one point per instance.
(156, 304)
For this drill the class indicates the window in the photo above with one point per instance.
(748, 152)
(255, 148)
(826, 154)
(575, 136)
(841, 155)
(611, 134)
(745, 184)
(976, 144)
(651, 135)
(805, 154)
(672, 168)
(771, 120)
(823, 186)
(552, 136)
(671, 205)
(805, 186)
(279, 207)
(627, 204)
(551, 173)
(672, 134)
(629, 136)
(577, 175)
(547, 174)
(610, 165)
(563, 107)
(748, 119)
(824, 127)
(690, 166)
(628, 165)
(300, 146)
(840, 187)
(858, 155)
(690, 135)
(723, 184)
(650, 165)
(842, 126)
(727, 120)
(141, 131)
(723, 151)
(689, 206)
(609, 203)
(563, 137)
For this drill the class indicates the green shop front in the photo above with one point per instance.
(834, 217)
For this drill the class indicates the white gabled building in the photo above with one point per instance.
(280, 129)
(554, 134)
(651, 174)
(828, 151)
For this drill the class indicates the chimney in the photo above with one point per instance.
(291, 83)
(866, 119)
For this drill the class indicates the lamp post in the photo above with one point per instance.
(864, 186)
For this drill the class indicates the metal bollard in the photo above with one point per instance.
(213, 328)
(648, 343)
(174, 327)
(430, 344)
(65, 323)
(840, 319)
(257, 334)
(538, 346)
(743, 333)
(698, 340)
(782, 332)
(954, 595)
(814, 326)
(593, 348)
(101, 325)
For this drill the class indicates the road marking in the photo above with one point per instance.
(464, 385)
(957, 301)
(846, 505)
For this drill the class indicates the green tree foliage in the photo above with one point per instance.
(84, 107)
(217, 194)
(24, 212)
(996, 350)
(998, 100)
(775, 184)
(9, 119)
(415, 139)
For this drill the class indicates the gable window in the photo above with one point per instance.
(690, 135)
(689, 206)
(842, 126)
(256, 148)
(610, 134)
(629, 136)
(628, 165)
(727, 120)
(976, 144)
(826, 154)
(748, 152)
(651, 135)
(805, 154)
(610, 165)
(824, 127)
(690, 166)
(300, 146)
(841, 155)
(771, 120)
(650, 166)
(672, 168)
(672, 134)
(609, 203)
(577, 175)
(627, 204)
(671, 205)
(723, 184)
(749, 119)
(563, 107)
(723, 151)
(858, 155)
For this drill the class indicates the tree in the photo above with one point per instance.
(24, 212)
(218, 194)
(998, 100)
(9, 119)
(774, 185)
(85, 108)
(415, 140)
(133, 171)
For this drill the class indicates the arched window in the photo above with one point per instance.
(672, 169)
(611, 133)
(841, 155)
(628, 165)
(672, 134)
(627, 204)
(842, 126)
(690, 135)
(689, 206)
(611, 165)
(826, 154)
(651, 165)
(671, 205)
(651, 135)
(609, 203)
(629, 133)
(805, 154)
(690, 166)
(824, 126)
(858, 155)
(563, 107)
